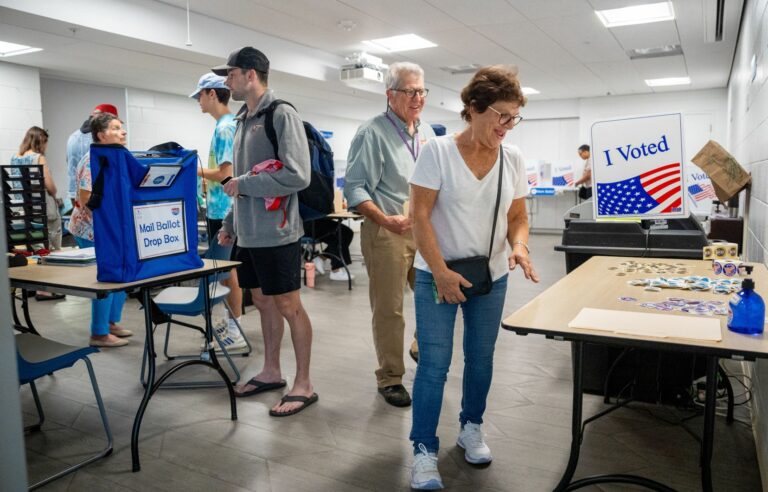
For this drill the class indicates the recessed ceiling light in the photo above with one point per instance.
(668, 81)
(404, 42)
(636, 14)
(530, 90)
(13, 49)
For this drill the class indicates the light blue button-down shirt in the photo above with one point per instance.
(78, 145)
(380, 162)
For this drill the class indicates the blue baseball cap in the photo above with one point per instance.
(209, 81)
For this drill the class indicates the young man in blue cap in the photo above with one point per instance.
(213, 97)
(268, 241)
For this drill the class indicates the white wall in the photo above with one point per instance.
(156, 117)
(66, 105)
(748, 142)
(19, 106)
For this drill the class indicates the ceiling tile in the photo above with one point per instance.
(479, 12)
(540, 9)
(584, 36)
(646, 35)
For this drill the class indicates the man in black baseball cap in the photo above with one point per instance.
(269, 241)
(247, 58)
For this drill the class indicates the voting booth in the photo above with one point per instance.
(144, 212)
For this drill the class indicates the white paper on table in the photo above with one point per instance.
(648, 324)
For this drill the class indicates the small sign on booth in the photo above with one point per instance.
(638, 167)
(160, 229)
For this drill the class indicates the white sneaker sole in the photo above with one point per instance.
(469, 459)
(428, 485)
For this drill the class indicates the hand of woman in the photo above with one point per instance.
(449, 285)
(521, 258)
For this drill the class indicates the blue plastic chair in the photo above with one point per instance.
(38, 357)
(190, 301)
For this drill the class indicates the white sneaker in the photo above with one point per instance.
(231, 343)
(319, 265)
(233, 329)
(424, 474)
(471, 441)
(341, 275)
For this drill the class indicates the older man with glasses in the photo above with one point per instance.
(380, 162)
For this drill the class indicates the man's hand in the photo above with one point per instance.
(224, 238)
(398, 224)
(230, 187)
(521, 258)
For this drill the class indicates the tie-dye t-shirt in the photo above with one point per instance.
(217, 202)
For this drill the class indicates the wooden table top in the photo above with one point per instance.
(82, 280)
(595, 285)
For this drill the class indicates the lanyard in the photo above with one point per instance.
(413, 148)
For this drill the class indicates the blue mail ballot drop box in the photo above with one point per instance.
(144, 212)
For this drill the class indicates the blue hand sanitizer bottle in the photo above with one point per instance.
(746, 309)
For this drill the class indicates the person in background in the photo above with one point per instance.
(213, 97)
(79, 144)
(268, 242)
(32, 152)
(105, 313)
(327, 231)
(585, 181)
(453, 192)
(381, 159)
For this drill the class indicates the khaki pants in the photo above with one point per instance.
(389, 261)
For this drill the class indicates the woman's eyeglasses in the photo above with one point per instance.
(506, 118)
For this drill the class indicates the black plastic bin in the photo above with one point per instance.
(646, 375)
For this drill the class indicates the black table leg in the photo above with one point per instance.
(339, 223)
(153, 385)
(709, 424)
(25, 309)
(148, 389)
(577, 352)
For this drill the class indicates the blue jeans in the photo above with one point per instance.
(103, 311)
(434, 331)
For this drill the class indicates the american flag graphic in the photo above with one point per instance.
(657, 191)
(532, 180)
(564, 180)
(701, 192)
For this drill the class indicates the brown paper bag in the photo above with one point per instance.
(727, 176)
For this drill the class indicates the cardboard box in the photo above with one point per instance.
(727, 176)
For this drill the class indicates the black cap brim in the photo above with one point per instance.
(221, 70)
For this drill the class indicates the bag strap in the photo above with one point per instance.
(269, 125)
(498, 200)
(97, 193)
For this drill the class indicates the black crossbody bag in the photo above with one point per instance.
(476, 269)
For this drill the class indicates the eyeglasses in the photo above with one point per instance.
(412, 92)
(506, 118)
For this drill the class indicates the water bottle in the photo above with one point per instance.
(309, 274)
(746, 309)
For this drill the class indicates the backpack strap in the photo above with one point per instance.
(269, 125)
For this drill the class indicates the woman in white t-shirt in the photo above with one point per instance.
(453, 194)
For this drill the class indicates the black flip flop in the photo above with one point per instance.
(260, 387)
(305, 400)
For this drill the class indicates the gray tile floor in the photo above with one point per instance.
(352, 440)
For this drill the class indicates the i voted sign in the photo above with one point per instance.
(160, 229)
(638, 167)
